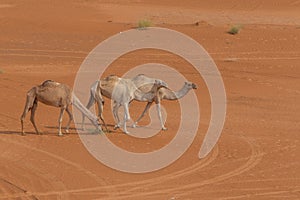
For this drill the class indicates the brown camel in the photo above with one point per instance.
(58, 95)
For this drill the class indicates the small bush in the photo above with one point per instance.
(1, 71)
(235, 29)
(142, 24)
(231, 59)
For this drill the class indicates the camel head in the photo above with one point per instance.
(191, 85)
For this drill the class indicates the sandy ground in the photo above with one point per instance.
(257, 156)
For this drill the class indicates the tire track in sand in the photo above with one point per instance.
(254, 159)
(13, 188)
(171, 176)
(269, 193)
(61, 159)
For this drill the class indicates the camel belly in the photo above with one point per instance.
(51, 102)
(53, 99)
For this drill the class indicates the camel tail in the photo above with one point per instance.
(76, 102)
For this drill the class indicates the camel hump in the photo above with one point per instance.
(111, 78)
(50, 83)
(141, 77)
(47, 81)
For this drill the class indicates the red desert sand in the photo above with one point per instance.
(257, 155)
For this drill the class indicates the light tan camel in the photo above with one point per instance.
(58, 95)
(122, 91)
(144, 85)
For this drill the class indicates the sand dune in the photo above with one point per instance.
(257, 156)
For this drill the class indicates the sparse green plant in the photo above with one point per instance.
(144, 23)
(1, 71)
(235, 29)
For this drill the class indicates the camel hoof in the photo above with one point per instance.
(126, 132)
(133, 126)
(67, 130)
(60, 134)
(99, 130)
(23, 134)
(116, 127)
(164, 128)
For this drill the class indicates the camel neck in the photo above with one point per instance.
(182, 92)
(140, 96)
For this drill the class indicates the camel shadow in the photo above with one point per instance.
(52, 132)
(45, 133)
(16, 133)
(28, 133)
(87, 131)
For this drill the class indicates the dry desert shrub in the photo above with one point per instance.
(144, 23)
(235, 29)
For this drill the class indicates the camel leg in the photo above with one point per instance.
(100, 104)
(88, 106)
(70, 119)
(100, 113)
(28, 105)
(160, 117)
(33, 109)
(116, 115)
(62, 110)
(143, 114)
(126, 117)
(26, 109)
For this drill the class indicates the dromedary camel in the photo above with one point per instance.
(144, 84)
(57, 95)
(122, 91)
